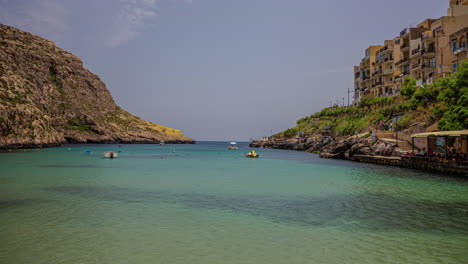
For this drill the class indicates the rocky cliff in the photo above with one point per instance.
(48, 98)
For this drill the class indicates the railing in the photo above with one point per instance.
(415, 66)
(401, 61)
(388, 72)
(415, 51)
(404, 46)
(428, 50)
(377, 84)
(426, 35)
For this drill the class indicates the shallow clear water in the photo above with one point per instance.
(206, 204)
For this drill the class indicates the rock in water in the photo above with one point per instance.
(48, 98)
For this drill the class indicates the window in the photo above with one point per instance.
(406, 70)
(454, 45)
(432, 62)
(454, 67)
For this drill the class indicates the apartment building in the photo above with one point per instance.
(426, 52)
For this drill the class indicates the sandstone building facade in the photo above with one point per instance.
(426, 52)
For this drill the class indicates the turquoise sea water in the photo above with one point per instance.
(205, 204)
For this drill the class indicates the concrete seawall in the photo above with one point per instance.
(419, 163)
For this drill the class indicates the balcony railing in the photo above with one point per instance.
(415, 66)
(427, 35)
(387, 72)
(379, 83)
(428, 50)
(415, 51)
(401, 61)
(428, 66)
(404, 46)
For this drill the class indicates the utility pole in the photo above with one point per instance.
(351, 91)
(348, 96)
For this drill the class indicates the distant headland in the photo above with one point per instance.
(47, 98)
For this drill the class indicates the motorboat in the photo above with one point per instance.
(233, 146)
(110, 154)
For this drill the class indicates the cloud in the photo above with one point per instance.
(131, 20)
(46, 18)
(113, 22)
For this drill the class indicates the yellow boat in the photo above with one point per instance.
(252, 154)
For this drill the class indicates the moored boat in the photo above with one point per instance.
(110, 154)
(233, 146)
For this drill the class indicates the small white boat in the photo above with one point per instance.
(162, 143)
(233, 146)
(110, 154)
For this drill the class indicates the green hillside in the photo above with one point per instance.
(443, 104)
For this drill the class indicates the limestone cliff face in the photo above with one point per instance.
(48, 98)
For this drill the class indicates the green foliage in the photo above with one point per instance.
(79, 125)
(423, 96)
(404, 122)
(454, 119)
(408, 88)
(453, 91)
(291, 132)
(445, 102)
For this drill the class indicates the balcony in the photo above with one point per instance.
(387, 72)
(402, 61)
(428, 66)
(415, 66)
(377, 84)
(388, 60)
(426, 36)
(415, 52)
(405, 46)
(460, 50)
(428, 51)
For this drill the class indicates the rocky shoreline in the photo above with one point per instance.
(334, 148)
(52, 145)
(362, 148)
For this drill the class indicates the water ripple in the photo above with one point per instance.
(373, 211)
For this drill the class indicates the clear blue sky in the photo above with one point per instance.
(221, 69)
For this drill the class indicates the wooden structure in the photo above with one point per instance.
(446, 144)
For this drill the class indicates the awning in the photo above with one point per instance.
(458, 133)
